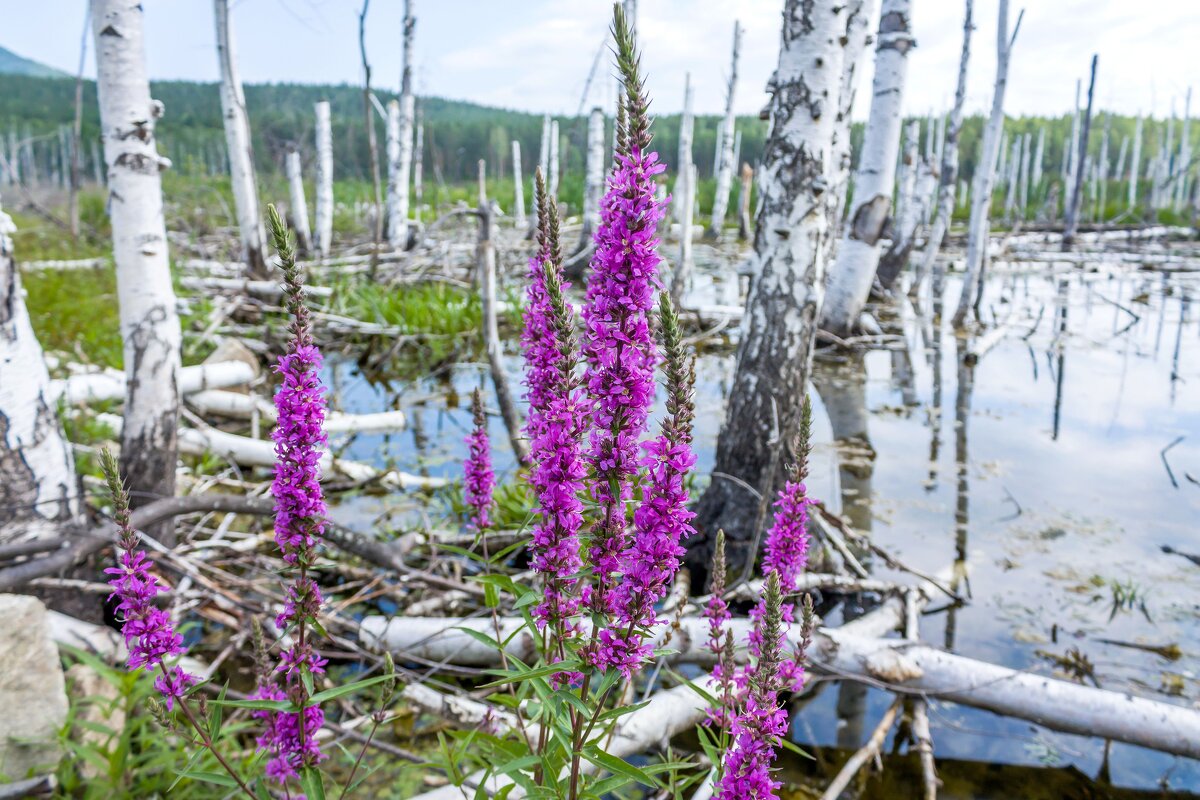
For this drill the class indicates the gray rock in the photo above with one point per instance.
(33, 693)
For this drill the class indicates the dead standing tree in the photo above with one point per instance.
(791, 241)
(149, 325)
(369, 120)
(725, 162)
(400, 169)
(241, 153)
(985, 170)
(1076, 197)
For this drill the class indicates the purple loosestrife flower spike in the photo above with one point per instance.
(618, 344)
(720, 643)
(557, 450)
(542, 371)
(760, 722)
(299, 523)
(479, 481)
(662, 521)
(149, 634)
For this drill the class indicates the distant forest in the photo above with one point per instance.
(457, 133)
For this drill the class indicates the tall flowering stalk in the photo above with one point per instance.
(720, 639)
(479, 479)
(289, 738)
(662, 520)
(149, 634)
(543, 373)
(760, 722)
(618, 344)
(559, 410)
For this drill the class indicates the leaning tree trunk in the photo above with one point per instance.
(38, 489)
(858, 255)
(726, 162)
(1076, 200)
(981, 193)
(687, 124)
(912, 210)
(324, 214)
(791, 240)
(859, 16)
(593, 186)
(398, 178)
(241, 153)
(518, 187)
(149, 325)
(299, 205)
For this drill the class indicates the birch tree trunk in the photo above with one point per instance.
(681, 276)
(726, 165)
(399, 178)
(518, 187)
(298, 202)
(744, 202)
(791, 239)
(149, 325)
(392, 147)
(981, 192)
(38, 489)
(324, 214)
(860, 15)
(858, 255)
(687, 124)
(241, 152)
(1039, 159)
(1135, 161)
(418, 168)
(948, 179)
(1011, 187)
(912, 209)
(1072, 221)
(553, 156)
(1185, 152)
(593, 187)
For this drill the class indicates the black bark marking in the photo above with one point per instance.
(109, 30)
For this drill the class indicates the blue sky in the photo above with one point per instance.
(535, 54)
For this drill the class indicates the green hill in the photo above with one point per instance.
(13, 64)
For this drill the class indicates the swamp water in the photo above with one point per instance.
(1054, 472)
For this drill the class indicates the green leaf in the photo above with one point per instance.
(338, 691)
(617, 766)
(517, 676)
(312, 784)
(491, 596)
(219, 778)
(259, 705)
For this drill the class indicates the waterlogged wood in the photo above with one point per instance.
(110, 385)
(266, 290)
(324, 211)
(851, 276)
(146, 297)
(38, 487)
(235, 405)
(981, 193)
(791, 241)
(298, 211)
(241, 153)
(725, 164)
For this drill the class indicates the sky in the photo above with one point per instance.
(535, 55)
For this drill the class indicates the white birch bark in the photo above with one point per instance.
(791, 240)
(38, 488)
(1023, 176)
(518, 187)
(1135, 161)
(1185, 152)
(544, 149)
(687, 124)
(392, 149)
(553, 156)
(726, 165)
(1039, 159)
(681, 276)
(858, 255)
(860, 17)
(241, 153)
(418, 165)
(913, 194)
(1075, 201)
(324, 212)
(149, 325)
(948, 179)
(398, 179)
(1069, 165)
(981, 200)
(299, 203)
(593, 186)
(1122, 157)
(1011, 188)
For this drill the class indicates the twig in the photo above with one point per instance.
(1167, 464)
(867, 752)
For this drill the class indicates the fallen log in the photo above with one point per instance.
(110, 385)
(261, 453)
(244, 406)
(898, 665)
(266, 290)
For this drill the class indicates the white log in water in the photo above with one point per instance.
(39, 490)
(981, 192)
(593, 185)
(146, 297)
(948, 179)
(398, 179)
(298, 202)
(518, 187)
(726, 163)
(858, 256)
(236, 405)
(687, 124)
(241, 152)
(324, 211)
(95, 387)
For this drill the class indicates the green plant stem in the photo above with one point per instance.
(207, 740)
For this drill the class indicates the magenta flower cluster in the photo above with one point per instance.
(149, 634)
(300, 403)
(480, 481)
(747, 768)
(288, 747)
(786, 554)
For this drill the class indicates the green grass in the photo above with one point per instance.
(75, 311)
